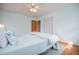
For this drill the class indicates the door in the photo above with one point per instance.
(35, 26)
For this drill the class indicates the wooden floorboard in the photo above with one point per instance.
(70, 49)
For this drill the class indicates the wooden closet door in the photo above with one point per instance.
(38, 26)
(34, 29)
(35, 26)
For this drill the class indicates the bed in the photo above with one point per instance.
(27, 45)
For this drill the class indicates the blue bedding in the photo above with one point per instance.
(27, 45)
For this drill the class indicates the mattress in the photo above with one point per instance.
(26, 45)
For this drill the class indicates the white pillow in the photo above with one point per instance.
(10, 37)
(3, 40)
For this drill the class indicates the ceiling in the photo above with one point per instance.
(45, 8)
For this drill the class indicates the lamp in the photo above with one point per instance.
(1, 25)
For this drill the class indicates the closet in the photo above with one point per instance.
(35, 25)
(47, 25)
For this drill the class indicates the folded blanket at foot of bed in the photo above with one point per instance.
(53, 39)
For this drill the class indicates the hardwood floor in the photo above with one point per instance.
(70, 49)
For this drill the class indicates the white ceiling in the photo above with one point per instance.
(45, 8)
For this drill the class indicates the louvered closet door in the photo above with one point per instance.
(47, 25)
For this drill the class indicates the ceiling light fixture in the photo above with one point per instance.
(33, 8)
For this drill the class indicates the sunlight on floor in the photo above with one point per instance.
(69, 45)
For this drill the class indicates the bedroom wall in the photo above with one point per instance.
(66, 23)
(18, 23)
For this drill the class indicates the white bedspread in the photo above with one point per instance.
(53, 39)
(28, 44)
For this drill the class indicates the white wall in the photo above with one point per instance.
(66, 23)
(15, 22)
